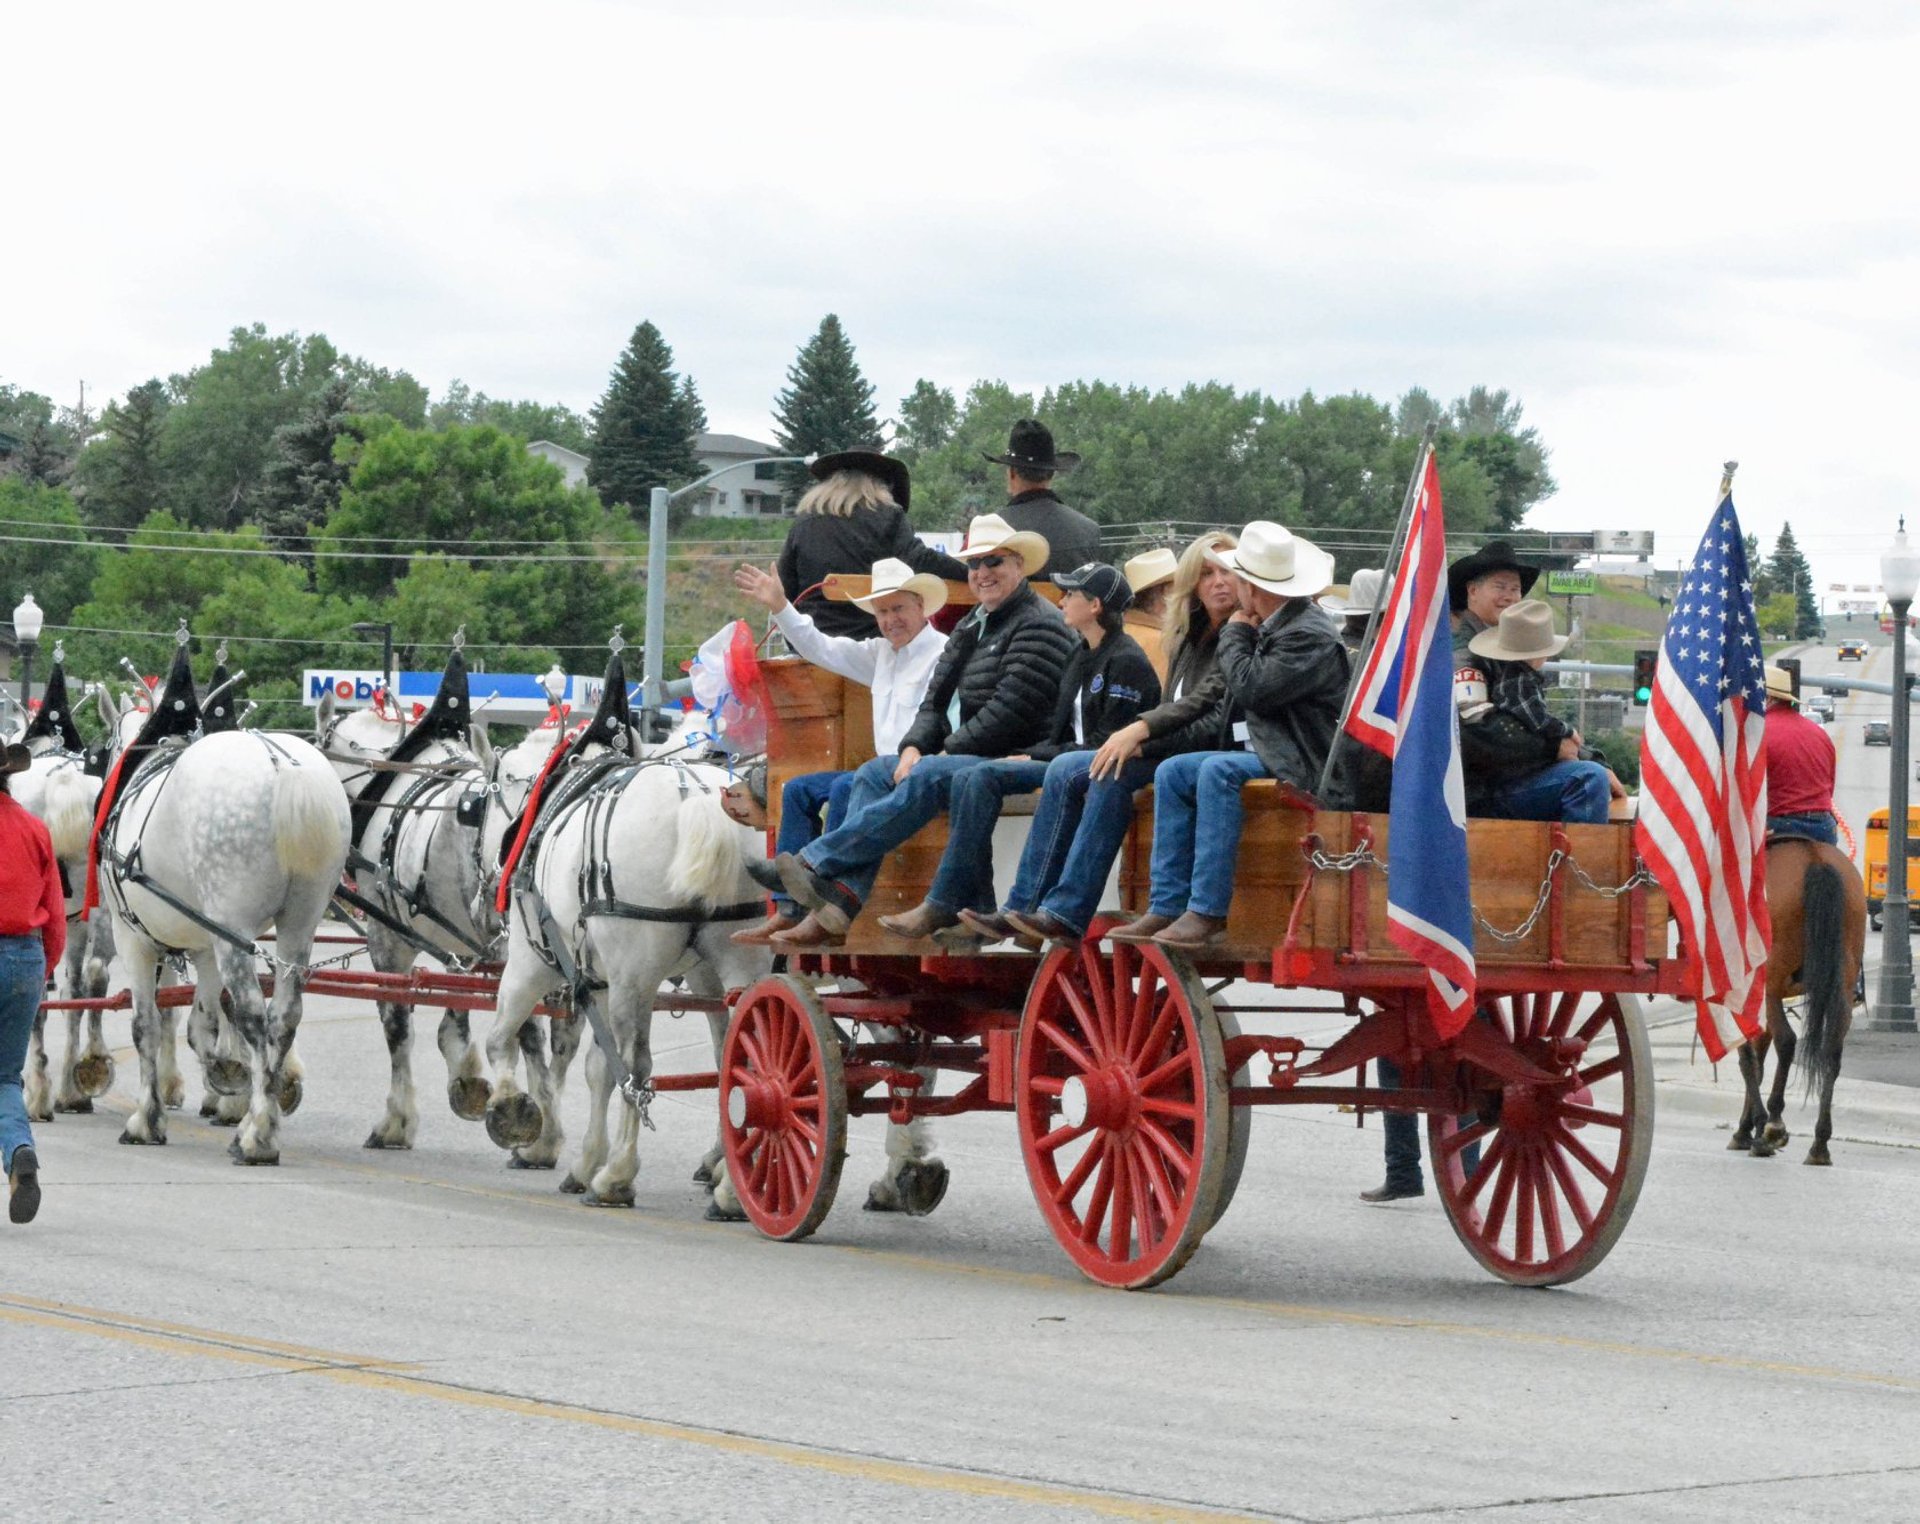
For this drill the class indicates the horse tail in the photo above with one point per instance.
(310, 822)
(708, 852)
(1829, 1005)
(69, 806)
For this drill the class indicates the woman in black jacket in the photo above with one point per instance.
(856, 514)
(1108, 681)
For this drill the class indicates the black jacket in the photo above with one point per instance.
(1498, 749)
(1006, 673)
(1289, 676)
(1073, 539)
(820, 544)
(1114, 684)
(1198, 717)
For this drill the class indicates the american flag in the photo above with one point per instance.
(1703, 784)
(1403, 709)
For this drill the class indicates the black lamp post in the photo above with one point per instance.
(1893, 1011)
(384, 629)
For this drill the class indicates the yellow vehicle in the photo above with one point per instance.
(1877, 862)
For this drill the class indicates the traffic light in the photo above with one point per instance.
(1791, 666)
(1643, 665)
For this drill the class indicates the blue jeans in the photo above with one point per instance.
(1814, 825)
(1576, 792)
(1402, 1130)
(880, 817)
(1196, 829)
(1077, 832)
(800, 803)
(965, 879)
(23, 979)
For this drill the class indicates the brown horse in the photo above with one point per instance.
(1819, 910)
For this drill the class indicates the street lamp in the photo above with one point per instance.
(366, 630)
(1893, 1012)
(28, 622)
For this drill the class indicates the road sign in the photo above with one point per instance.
(1572, 582)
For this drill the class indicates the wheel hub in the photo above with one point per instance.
(1103, 1099)
(755, 1103)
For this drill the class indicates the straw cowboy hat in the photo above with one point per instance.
(1524, 633)
(891, 576)
(1780, 686)
(1367, 592)
(1150, 569)
(989, 535)
(1271, 557)
(1030, 450)
(1495, 555)
(870, 462)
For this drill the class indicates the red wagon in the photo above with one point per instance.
(1132, 1071)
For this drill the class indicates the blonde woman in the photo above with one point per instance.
(854, 515)
(1086, 802)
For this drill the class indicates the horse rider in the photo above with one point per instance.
(1800, 767)
(897, 664)
(991, 695)
(33, 938)
(1150, 577)
(853, 515)
(1284, 671)
(1108, 682)
(1032, 462)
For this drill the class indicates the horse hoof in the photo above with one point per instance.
(521, 1161)
(228, 1076)
(1739, 1145)
(240, 1157)
(703, 1174)
(469, 1097)
(207, 1108)
(1819, 1156)
(214, 1119)
(1777, 1135)
(514, 1122)
(619, 1196)
(94, 1074)
(129, 1138)
(80, 1108)
(572, 1187)
(1763, 1150)
(378, 1139)
(717, 1213)
(923, 1187)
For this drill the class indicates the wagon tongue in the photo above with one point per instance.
(55, 715)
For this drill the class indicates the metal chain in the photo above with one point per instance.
(1635, 880)
(640, 1098)
(1521, 932)
(1360, 857)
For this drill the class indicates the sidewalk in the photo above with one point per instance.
(1875, 1100)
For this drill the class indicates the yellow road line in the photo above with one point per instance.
(386, 1376)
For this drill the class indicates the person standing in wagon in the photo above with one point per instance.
(1033, 507)
(33, 936)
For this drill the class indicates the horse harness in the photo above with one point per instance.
(398, 905)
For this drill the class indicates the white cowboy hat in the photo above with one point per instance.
(989, 534)
(1524, 633)
(1150, 569)
(1367, 592)
(1277, 560)
(1780, 686)
(891, 576)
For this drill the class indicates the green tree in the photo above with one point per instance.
(529, 421)
(1778, 615)
(644, 425)
(1788, 572)
(49, 556)
(121, 479)
(827, 404)
(307, 470)
(928, 415)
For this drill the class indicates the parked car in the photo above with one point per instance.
(1879, 733)
(1853, 650)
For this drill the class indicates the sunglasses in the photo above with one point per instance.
(989, 563)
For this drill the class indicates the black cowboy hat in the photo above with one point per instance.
(54, 717)
(873, 463)
(1495, 555)
(1030, 451)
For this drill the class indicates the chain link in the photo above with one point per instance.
(1640, 876)
(1525, 929)
(1360, 857)
(640, 1098)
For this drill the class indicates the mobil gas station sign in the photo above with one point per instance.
(517, 698)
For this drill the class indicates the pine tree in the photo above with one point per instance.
(827, 404)
(644, 427)
(1789, 572)
(124, 475)
(302, 483)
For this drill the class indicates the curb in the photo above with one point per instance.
(1864, 1111)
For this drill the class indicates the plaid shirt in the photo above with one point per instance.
(1516, 689)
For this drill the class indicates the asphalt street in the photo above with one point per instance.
(430, 1335)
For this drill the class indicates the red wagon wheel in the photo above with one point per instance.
(1240, 1123)
(1558, 1165)
(1121, 1094)
(783, 1107)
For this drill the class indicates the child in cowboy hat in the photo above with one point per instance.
(1284, 672)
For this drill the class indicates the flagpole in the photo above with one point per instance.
(1396, 553)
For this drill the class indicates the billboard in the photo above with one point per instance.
(1623, 542)
(515, 698)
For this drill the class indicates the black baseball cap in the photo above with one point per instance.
(1098, 580)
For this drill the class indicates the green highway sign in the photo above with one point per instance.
(1572, 582)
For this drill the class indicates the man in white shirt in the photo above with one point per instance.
(897, 664)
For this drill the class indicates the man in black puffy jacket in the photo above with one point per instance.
(992, 695)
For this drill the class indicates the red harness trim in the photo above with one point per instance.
(528, 816)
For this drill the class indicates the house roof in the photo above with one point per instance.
(548, 446)
(730, 444)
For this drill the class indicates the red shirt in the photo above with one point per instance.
(1800, 762)
(30, 898)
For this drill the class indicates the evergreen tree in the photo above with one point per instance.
(928, 417)
(644, 427)
(827, 404)
(1788, 572)
(302, 482)
(123, 477)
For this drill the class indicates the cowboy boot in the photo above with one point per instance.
(1036, 928)
(923, 920)
(993, 926)
(820, 895)
(1193, 932)
(811, 935)
(1142, 928)
(762, 932)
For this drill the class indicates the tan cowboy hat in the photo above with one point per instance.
(989, 534)
(891, 576)
(1367, 592)
(1150, 569)
(1273, 558)
(1780, 686)
(1524, 633)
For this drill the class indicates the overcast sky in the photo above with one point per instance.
(1679, 232)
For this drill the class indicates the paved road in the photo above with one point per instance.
(428, 1335)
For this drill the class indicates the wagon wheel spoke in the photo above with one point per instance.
(1160, 1185)
(1592, 1115)
(1489, 1164)
(1453, 1144)
(1104, 1011)
(1604, 1070)
(1061, 1136)
(1158, 1034)
(1089, 1023)
(1140, 1016)
(1151, 1212)
(1588, 1159)
(795, 1170)
(1570, 1188)
(1180, 1158)
(1524, 1202)
(1073, 1052)
(1563, 1009)
(1502, 1194)
(1180, 1111)
(1102, 1193)
(1171, 1070)
(1120, 1208)
(1077, 1177)
(749, 1039)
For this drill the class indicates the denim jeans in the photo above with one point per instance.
(1814, 825)
(1576, 792)
(800, 803)
(1077, 832)
(881, 816)
(23, 979)
(1402, 1133)
(1196, 829)
(965, 879)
